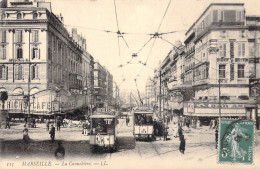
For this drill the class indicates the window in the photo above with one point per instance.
(241, 71)
(35, 15)
(2, 52)
(3, 16)
(34, 72)
(221, 15)
(241, 49)
(18, 72)
(19, 16)
(3, 72)
(223, 34)
(223, 49)
(35, 36)
(3, 36)
(35, 53)
(240, 16)
(222, 71)
(18, 36)
(242, 34)
(19, 53)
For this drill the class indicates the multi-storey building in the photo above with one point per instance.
(221, 57)
(103, 86)
(150, 97)
(41, 65)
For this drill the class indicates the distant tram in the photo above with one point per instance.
(103, 133)
(143, 124)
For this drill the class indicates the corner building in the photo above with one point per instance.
(221, 57)
(39, 59)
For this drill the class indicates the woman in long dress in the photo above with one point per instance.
(234, 138)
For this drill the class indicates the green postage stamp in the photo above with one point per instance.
(236, 141)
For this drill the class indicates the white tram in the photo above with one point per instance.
(103, 132)
(143, 124)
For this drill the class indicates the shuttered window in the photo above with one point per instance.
(222, 71)
(35, 36)
(18, 36)
(18, 72)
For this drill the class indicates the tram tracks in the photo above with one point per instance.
(144, 150)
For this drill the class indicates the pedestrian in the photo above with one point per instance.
(7, 125)
(188, 122)
(165, 131)
(215, 123)
(48, 125)
(127, 121)
(52, 133)
(60, 151)
(198, 123)
(58, 124)
(33, 123)
(26, 137)
(180, 130)
(84, 128)
(182, 144)
(216, 137)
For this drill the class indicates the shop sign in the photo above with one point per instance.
(222, 105)
(55, 106)
(238, 60)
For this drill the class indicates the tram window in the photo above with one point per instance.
(103, 126)
(142, 119)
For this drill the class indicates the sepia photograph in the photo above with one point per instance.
(129, 84)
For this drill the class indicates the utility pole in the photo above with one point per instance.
(219, 100)
(160, 94)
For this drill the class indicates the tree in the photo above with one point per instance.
(3, 98)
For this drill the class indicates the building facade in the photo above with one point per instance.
(41, 65)
(103, 86)
(219, 60)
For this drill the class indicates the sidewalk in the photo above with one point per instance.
(39, 133)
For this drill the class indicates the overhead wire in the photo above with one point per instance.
(155, 35)
(164, 15)
(116, 15)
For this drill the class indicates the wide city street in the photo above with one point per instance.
(200, 148)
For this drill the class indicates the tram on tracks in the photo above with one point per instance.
(103, 132)
(143, 124)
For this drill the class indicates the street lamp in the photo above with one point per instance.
(26, 105)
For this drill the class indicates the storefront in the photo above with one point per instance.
(214, 109)
(43, 103)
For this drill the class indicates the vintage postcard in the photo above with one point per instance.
(129, 84)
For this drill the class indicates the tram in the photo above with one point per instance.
(143, 124)
(103, 132)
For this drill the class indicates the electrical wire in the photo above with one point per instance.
(144, 45)
(116, 15)
(164, 15)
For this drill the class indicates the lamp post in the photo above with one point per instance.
(26, 104)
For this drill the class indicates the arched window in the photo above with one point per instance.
(19, 16)
(18, 91)
(35, 15)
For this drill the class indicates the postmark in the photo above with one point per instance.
(236, 141)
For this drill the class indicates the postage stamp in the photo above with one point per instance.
(236, 141)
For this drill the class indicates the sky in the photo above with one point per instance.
(140, 18)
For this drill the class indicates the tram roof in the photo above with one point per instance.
(102, 116)
(143, 112)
